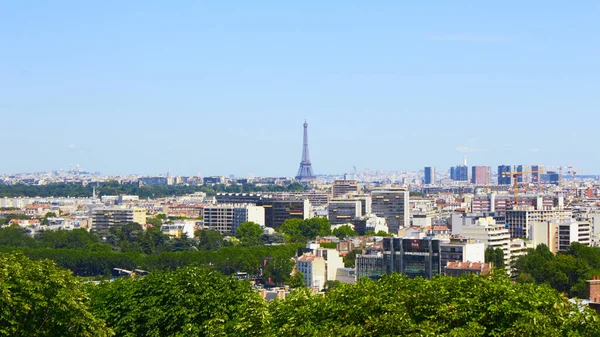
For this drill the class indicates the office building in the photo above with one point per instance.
(227, 218)
(342, 211)
(520, 177)
(279, 210)
(461, 250)
(429, 175)
(558, 235)
(393, 205)
(550, 177)
(485, 230)
(504, 175)
(411, 257)
(480, 175)
(459, 173)
(535, 174)
(520, 222)
(105, 218)
(343, 187)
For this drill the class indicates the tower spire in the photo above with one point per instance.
(305, 171)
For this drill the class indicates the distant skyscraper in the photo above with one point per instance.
(429, 175)
(461, 173)
(503, 180)
(520, 176)
(480, 175)
(535, 176)
(305, 171)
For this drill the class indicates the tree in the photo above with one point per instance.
(15, 236)
(297, 280)
(344, 231)
(494, 255)
(350, 258)
(188, 301)
(382, 233)
(249, 233)
(278, 270)
(296, 230)
(209, 239)
(396, 305)
(39, 299)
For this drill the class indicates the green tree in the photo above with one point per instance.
(15, 236)
(297, 280)
(495, 255)
(188, 301)
(278, 270)
(249, 233)
(39, 299)
(209, 239)
(296, 230)
(445, 306)
(344, 232)
(350, 258)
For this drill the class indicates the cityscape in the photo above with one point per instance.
(314, 169)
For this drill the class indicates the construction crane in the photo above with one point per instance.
(515, 177)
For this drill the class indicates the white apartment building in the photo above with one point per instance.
(520, 221)
(226, 218)
(485, 230)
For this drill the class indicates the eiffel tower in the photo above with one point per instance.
(305, 171)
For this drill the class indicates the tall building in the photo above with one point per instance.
(558, 235)
(342, 211)
(459, 173)
(277, 211)
(105, 218)
(429, 175)
(411, 257)
(520, 222)
(535, 174)
(485, 230)
(520, 176)
(393, 205)
(305, 172)
(502, 178)
(343, 187)
(227, 218)
(480, 175)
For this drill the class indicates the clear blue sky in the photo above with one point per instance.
(224, 87)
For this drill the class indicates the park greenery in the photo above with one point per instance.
(41, 299)
(566, 271)
(115, 188)
(297, 230)
(495, 256)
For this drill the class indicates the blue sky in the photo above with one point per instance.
(224, 87)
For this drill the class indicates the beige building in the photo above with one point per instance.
(105, 218)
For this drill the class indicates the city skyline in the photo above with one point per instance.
(222, 88)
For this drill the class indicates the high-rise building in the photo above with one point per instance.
(227, 218)
(520, 222)
(105, 218)
(429, 175)
(504, 179)
(342, 211)
(535, 174)
(305, 172)
(459, 173)
(277, 211)
(480, 175)
(343, 187)
(393, 205)
(520, 176)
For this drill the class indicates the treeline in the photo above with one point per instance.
(131, 247)
(566, 271)
(195, 301)
(144, 192)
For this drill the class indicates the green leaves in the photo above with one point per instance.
(296, 230)
(39, 299)
(249, 233)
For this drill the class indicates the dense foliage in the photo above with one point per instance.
(495, 256)
(39, 299)
(344, 232)
(565, 271)
(296, 230)
(399, 306)
(114, 188)
(186, 302)
(249, 233)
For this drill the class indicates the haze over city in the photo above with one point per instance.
(138, 87)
